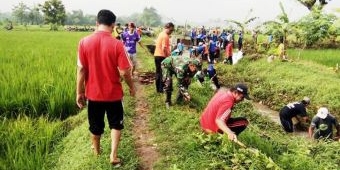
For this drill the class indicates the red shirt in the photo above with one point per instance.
(101, 55)
(219, 107)
(229, 51)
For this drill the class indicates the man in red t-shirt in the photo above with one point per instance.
(102, 59)
(229, 53)
(216, 116)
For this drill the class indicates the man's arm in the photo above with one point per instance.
(337, 126)
(127, 75)
(310, 131)
(80, 99)
(221, 124)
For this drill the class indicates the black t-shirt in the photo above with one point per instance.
(292, 109)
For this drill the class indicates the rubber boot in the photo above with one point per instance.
(168, 100)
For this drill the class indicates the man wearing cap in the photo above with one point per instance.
(184, 68)
(322, 124)
(292, 110)
(216, 117)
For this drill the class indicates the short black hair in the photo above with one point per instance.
(169, 25)
(106, 17)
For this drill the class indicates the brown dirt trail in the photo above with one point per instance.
(144, 137)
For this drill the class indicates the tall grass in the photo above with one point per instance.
(38, 73)
(25, 143)
(327, 57)
(37, 78)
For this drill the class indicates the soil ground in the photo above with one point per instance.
(144, 137)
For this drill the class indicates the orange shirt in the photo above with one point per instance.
(162, 44)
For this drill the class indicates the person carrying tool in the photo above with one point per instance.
(322, 125)
(292, 110)
(184, 68)
(216, 117)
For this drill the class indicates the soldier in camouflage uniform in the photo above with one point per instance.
(184, 68)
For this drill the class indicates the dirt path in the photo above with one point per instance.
(274, 116)
(144, 137)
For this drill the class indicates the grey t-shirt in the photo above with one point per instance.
(324, 127)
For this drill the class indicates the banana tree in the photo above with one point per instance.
(310, 3)
(280, 27)
(317, 26)
(242, 25)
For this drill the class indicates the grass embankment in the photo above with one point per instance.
(279, 83)
(276, 84)
(74, 151)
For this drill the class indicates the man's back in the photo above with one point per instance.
(101, 55)
(293, 109)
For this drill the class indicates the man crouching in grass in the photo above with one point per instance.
(216, 117)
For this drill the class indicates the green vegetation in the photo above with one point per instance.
(37, 83)
(327, 57)
(37, 73)
(276, 84)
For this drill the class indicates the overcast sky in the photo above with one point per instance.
(192, 11)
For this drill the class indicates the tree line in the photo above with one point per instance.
(53, 12)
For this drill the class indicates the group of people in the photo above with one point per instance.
(321, 126)
(184, 68)
(103, 59)
(209, 44)
(216, 117)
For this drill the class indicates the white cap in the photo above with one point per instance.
(322, 113)
(306, 99)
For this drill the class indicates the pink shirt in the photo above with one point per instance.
(219, 107)
(101, 55)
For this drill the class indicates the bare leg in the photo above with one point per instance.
(96, 143)
(115, 138)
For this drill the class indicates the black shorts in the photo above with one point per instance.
(286, 122)
(114, 113)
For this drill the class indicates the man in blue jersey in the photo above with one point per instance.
(130, 39)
